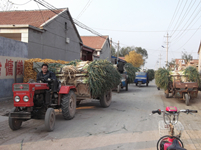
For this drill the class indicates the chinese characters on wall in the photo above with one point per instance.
(7, 67)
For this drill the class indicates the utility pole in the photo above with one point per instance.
(111, 46)
(167, 49)
(160, 59)
(117, 51)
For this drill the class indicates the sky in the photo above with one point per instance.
(138, 23)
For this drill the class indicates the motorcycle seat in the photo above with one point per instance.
(175, 146)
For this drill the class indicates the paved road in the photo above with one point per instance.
(125, 125)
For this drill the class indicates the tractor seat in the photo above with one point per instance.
(175, 146)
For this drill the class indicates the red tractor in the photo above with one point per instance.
(38, 101)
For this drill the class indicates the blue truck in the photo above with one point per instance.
(123, 83)
(141, 78)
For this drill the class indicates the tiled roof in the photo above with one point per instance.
(32, 17)
(123, 58)
(95, 42)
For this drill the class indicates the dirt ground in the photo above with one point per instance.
(126, 124)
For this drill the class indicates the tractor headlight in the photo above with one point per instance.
(17, 98)
(26, 98)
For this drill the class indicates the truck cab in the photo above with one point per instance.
(141, 78)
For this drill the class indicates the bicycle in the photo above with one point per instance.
(170, 118)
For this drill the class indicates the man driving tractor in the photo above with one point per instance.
(45, 74)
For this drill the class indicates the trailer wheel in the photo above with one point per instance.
(118, 88)
(50, 119)
(14, 124)
(68, 105)
(187, 99)
(147, 84)
(106, 99)
(136, 84)
(166, 95)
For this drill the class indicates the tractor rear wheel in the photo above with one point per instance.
(50, 119)
(106, 99)
(14, 124)
(68, 105)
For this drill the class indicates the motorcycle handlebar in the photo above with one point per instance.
(156, 111)
(189, 111)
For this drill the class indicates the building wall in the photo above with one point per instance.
(106, 51)
(11, 51)
(15, 34)
(52, 42)
(199, 62)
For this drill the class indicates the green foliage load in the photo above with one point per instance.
(193, 75)
(55, 67)
(74, 62)
(102, 76)
(162, 78)
(131, 70)
(150, 73)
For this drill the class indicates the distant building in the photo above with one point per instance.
(180, 64)
(100, 44)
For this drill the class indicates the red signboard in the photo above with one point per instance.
(19, 67)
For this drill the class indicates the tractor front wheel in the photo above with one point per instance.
(50, 119)
(14, 124)
(106, 99)
(68, 105)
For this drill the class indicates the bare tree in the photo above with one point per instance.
(6, 5)
(187, 57)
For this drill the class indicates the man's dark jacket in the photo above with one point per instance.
(49, 74)
(120, 66)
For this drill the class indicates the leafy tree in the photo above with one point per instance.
(187, 57)
(134, 58)
(143, 52)
(125, 51)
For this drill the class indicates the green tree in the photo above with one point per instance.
(187, 57)
(143, 52)
(125, 51)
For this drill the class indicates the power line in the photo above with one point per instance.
(189, 20)
(173, 16)
(189, 39)
(19, 4)
(177, 13)
(185, 14)
(84, 9)
(179, 17)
